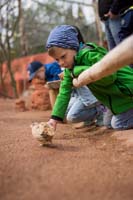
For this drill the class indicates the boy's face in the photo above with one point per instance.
(40, 74)
(65, 57)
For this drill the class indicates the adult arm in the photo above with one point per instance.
(115, 59)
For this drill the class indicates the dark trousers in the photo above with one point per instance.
(126, 25)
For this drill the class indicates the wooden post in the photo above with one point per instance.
(53, 87)
(52, 95)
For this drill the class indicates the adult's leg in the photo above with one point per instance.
(126, 25)
(115, 26)
(112, 28)
(123, 121)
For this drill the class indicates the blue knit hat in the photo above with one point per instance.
(32, 68)
(64, 36)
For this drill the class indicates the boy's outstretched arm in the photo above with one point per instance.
(115, 59)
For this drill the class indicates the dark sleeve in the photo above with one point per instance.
(56, 118)
(115, 7)
(118, 6)
(103, 8)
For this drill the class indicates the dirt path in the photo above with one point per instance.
(79, 167)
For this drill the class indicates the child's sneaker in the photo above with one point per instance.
(99, 119)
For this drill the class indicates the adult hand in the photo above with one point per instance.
(83, 79)
(111, 15)
(76, 82)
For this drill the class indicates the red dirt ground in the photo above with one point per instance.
(81, 165)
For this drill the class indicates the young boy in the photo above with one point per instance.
(83, 106)
(47, 73)
(114, 91)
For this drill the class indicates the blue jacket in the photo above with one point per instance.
(51, 71)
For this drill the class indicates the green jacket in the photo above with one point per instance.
(114, 91)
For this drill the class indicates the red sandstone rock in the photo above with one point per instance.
(40, 99)
(20, 105)
(38, 84)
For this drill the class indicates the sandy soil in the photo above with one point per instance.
(96, 164)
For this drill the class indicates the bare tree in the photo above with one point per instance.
(98, 23)
(59, 12)
(9, 18)
(25, 30)
(22, 34)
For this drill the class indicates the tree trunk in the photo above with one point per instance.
(2, 81)
(98, 23)
(23, 39)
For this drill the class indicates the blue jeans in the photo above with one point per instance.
(83, 106)
(112, 28)
(122, 121)
(78, 112)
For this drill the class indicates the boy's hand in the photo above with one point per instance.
(81, 80)
(61, 75)
(52, 123)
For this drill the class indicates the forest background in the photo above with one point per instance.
(25, 25)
